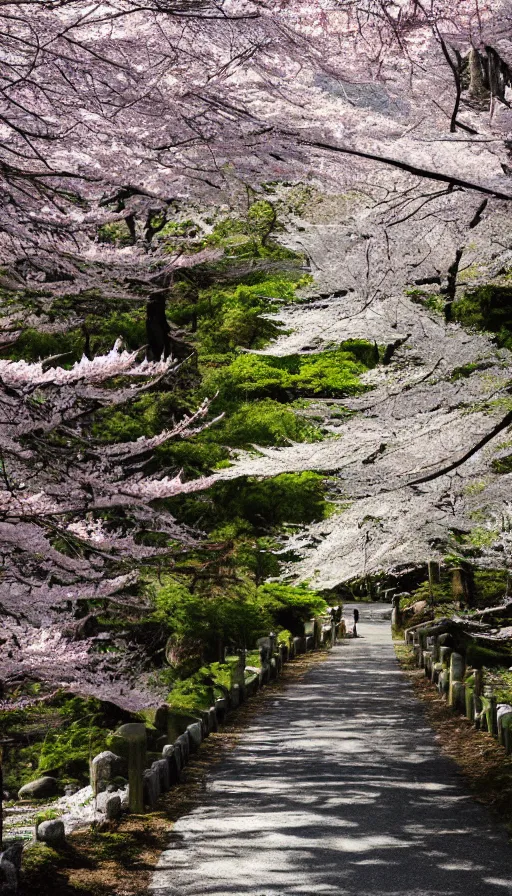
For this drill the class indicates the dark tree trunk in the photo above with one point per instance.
(157, 326)
(451, 285)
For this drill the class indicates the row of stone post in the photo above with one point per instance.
(150, 775)
(463, 688)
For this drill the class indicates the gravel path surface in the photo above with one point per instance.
(340, 788)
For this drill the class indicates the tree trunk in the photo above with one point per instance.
(157, 326)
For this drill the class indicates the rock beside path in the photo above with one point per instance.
(39, 789)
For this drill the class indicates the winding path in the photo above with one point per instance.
(339, 788)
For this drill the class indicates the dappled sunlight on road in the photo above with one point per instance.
(339, 788)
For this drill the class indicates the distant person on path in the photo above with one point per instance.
(356, 620)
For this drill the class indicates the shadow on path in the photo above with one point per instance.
(340, 788)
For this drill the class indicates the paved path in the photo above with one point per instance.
(339, 788)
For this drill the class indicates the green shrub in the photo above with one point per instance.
(68, 750)
(265, 422)
(264, 504)
(487, 308)
(290, 605)
(331, 374)
(199, 691)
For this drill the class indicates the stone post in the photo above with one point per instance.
(134, 736)
(457, 667)
(469, 697)
(396, 615)
(477, 696)
(444, 655)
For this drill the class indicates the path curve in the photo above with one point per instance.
(339, 787)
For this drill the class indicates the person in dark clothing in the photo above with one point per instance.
(356, 620)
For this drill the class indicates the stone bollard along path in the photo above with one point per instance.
(339, 788)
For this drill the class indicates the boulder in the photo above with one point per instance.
(39, 789)
(110, 805)
(113, 807)
(419, 606)
(51, 832)
(162, 717)
(195, 735)
(71, 789)
(13, 853)
(124, 795)
(104, 768)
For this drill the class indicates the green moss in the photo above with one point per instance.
(232, 317)
(432, 301)
(265, 422)
(482, 538)
(34, 345)
(478, 657)
(293, 498)
(116, 233)
(467, 369)
(59, 736)
(38, 858)
(68, 750)
(488, 308)
(502, 464)
(198, 691)
(330, 374)
(475, 488)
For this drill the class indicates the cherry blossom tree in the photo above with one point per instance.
(119, 113)
(77, 517)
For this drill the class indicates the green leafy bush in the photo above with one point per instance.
(487, 308)
(263, 504)
(264, 422)
(116, 233)
(69, 749)
(204, 618)
(200, 690)
(290, 605)
(331, 373)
